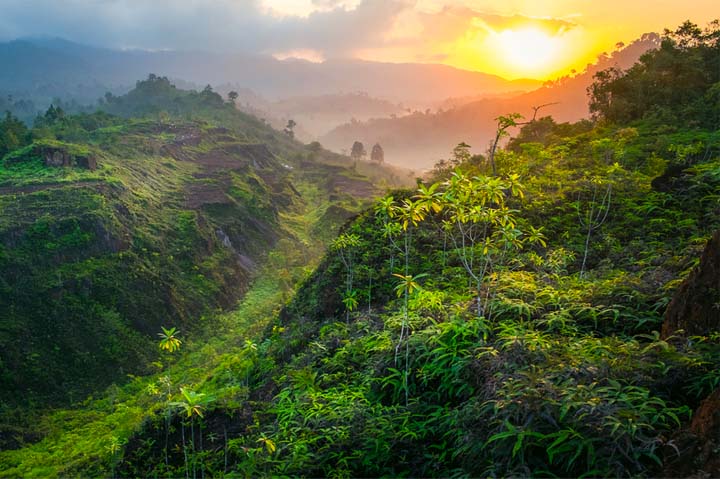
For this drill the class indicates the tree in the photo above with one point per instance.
(232, 96)
(482, 227)
(594, 214)
(398, 218)
(670, 84)
(461, 154)
(315, 147)
(358, 151)
(192, 405)
(377, 155)
(13, 134)
(54, 114)
(503, 124)
(289, 128)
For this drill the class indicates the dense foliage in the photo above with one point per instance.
(495, 320)
(13, 134)
(679, 83)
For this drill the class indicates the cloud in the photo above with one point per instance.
(235, 25)
(551, 25)
(328, 4)
(452, 22)
(340, 31)
(335, 28)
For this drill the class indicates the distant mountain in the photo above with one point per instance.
(54, 67)
(420, 139)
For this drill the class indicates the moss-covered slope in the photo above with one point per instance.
(108, 232)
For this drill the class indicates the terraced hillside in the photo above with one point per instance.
(112, 228)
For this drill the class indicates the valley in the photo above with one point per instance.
(215, 281)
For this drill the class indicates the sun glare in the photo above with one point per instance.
(527, 50)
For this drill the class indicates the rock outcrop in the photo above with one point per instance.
(58, 157)
(693, 451)
(695, 308)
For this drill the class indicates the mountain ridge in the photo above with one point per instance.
(117, 69)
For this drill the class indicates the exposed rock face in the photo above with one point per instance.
(59, 157)
(695, 450)
(706, 420)
(695, 308)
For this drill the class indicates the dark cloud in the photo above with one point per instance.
(340, 31)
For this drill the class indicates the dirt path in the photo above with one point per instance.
(21, 190)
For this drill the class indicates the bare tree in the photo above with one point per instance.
(595, 214)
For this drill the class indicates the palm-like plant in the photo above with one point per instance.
(192, 405)
(350, 300)
(408, 284)
(169, 340)
(345, 246)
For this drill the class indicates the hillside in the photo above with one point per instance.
(420, 139)
(111, 228)
(543, 317)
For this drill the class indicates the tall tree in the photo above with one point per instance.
(13, 134)
(358, 151)
(290, 128)
(377, 155)
(674, 83)
(503, 123)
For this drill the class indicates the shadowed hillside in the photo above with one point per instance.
(112, 228)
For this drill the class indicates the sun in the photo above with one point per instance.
(523, 51)
(527, 49)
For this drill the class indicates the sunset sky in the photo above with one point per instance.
(513, 38)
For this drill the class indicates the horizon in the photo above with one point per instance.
(524, 40)
(37, 38)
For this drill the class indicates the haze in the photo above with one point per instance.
(415, 76)
(489, 36)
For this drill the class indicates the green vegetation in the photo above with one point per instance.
(513, 305)
(13, 134)
(677, 84)
(111, 228)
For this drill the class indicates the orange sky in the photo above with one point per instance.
(514, 38)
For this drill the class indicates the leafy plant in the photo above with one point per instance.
(169, 340)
